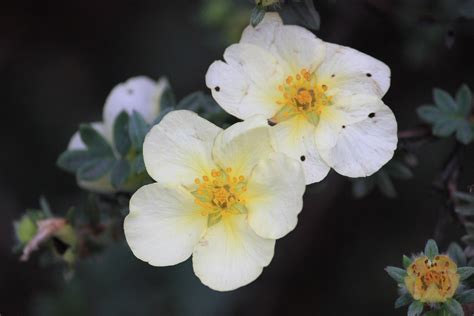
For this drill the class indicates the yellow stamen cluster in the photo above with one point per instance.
(221, 194)
(432, 281)
(302, 95)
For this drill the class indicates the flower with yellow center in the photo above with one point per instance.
(223, 196)
(324, 99)
(432, 281)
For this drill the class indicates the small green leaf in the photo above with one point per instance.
(445, 127)
(444, 101)
(94, 141)
(257, 15)
(168, 100)
(464, 100)
(464, 132)
(385, 184)
(138, 164)
(406, 261)
(431, 249)
(465, 210)
(44, 205)
(95, 169)
(403, 300)
(138, 129)
(456, 253)
(121, 137)
(397, 274)
(398, 170)
(120, 173)
(71, 160)
(466, 297)
(429, 113)
(465, 272)
(454, 307)
(415, 308)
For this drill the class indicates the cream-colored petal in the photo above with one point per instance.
(231, 254)
(164, 224)
(348, 69)
(295, 137)
(246, 84)
(358, 149)
(275, 196)
(243, 145)
(178, 149)
(139, 94)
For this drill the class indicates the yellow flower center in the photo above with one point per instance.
(220, 195)
(432, 281)
(302, 95)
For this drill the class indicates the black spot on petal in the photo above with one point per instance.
(368, 74)
(217, 88)
(343, 126)
(372, 115)
(303, 158)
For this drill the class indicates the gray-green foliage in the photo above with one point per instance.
(450, 115)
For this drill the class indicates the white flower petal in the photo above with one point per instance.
(243, 145)
(295, 137)
(360, 148)
(231, 254)
(178, 149)
(164, 224)
(247, 83)
(345, 68)
(275, 196)
(139, 94)
(264, 33)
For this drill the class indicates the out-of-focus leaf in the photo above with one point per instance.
(137, 129)
(444, 101)
(468, 240)
(454, 307)
(466, 210)
(464, 132)
(445, 127)
(431, 249)
(301, 13)
(138, 164)
(456, 253)
(406, 261)
(71, 160)
(95, 169)
(94, 141)
(403, 300)
(121, 136)
(397, 274)
(398, 170)
(44, 205)
(257, 15)
(120, 173)
(168, 100)
(385, 184)
(429, 113)
(466, 297)
(464, 100)
(466, 197)
(415, 308)
(469, 228)
(465, 272)
(361, 187)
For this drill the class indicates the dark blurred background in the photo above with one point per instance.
(60, 59)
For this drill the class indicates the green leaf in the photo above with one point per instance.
(415, 308)
(464, 132)
(361, 187)
(94, 141)
(44, 205)
(466, 297)
(444, 101)
(168, 100)
(454, 307)
(456, 253)
(429, 113)
(465, 272)
(465, 210)
(199, 102)
(398, 170)
(257, 15)
(431, 249)
(385, 184)
(397, 274)
(464, 196)
(95, 169)
(138, 164)
(464, 100)
(71, 160)
(121, 137)
(468, 240)
(301, 13)
(406, 261)
(120, 173)
(403, 300)
(137, 129)
(445, 127)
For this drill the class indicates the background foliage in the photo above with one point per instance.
(58, 63)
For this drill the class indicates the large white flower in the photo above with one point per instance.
(140, 94)
(325, 99)
(223, 196)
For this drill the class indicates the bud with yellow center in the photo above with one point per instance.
(432, 281)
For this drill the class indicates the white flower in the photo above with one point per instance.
(325, 99)
(222, 196)
(140, 94)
